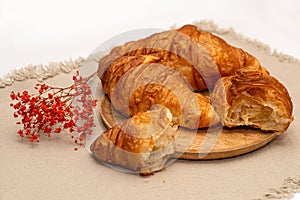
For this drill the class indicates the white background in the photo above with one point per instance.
(37, 31)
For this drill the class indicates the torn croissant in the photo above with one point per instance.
(253, 98)
(143, 143)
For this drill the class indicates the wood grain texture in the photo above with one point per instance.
(203, 144)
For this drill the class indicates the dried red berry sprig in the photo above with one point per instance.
(51, 110)
(84, 110)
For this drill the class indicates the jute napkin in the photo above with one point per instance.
(51, 169)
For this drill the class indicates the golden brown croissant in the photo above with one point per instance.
(143, 143)
(199, 56)
(253, 98)
(147, 85)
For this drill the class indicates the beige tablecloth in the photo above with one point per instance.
(51, 169)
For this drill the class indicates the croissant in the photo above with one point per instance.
(253, 98)
(143, 143)
(201, 57)
(151, 84)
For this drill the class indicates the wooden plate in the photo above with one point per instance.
(202, 144)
